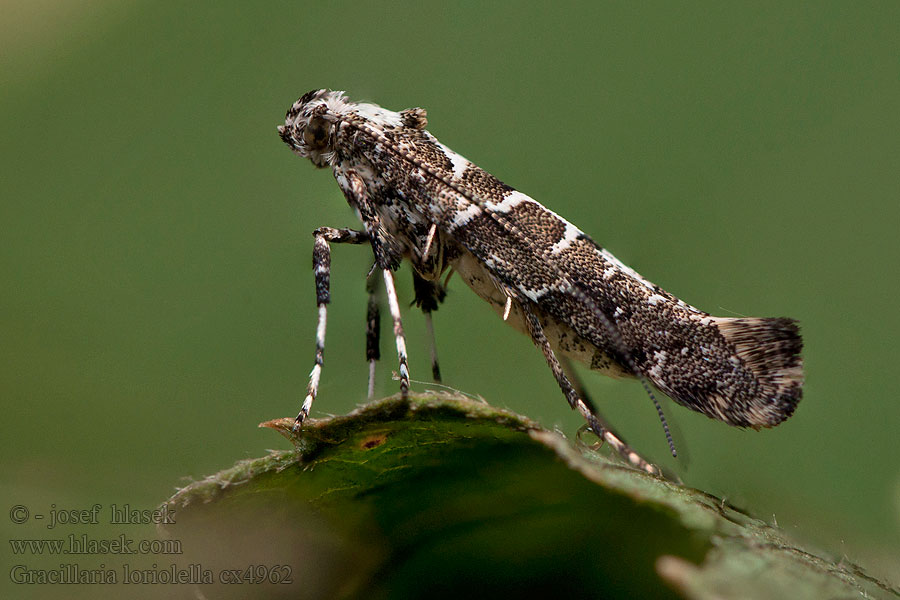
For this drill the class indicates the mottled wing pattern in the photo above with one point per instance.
(551, 262)
(746, 372)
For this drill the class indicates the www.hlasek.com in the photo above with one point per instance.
(82, 544)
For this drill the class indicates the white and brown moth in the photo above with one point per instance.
(418, 200)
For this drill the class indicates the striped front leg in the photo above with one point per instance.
(394, 305)
(322, 270)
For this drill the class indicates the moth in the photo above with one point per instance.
(421, 202)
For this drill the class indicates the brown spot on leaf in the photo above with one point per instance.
(373, 441)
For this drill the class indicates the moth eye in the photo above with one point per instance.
(315, 135)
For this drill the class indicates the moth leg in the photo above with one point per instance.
(577, 383)
(432, 345)
(575, 401)
(428, 295)
(398, 331)
(322, 270)
(387, 257)
(373, 334)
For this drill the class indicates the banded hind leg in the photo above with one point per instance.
(373, 333)
(322, 270)
(575, 401)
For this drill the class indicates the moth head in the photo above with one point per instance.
(310, 126)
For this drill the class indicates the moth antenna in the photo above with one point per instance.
(662, 416)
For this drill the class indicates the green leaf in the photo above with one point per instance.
(440, 495)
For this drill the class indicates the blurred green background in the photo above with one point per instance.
(156, 291)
